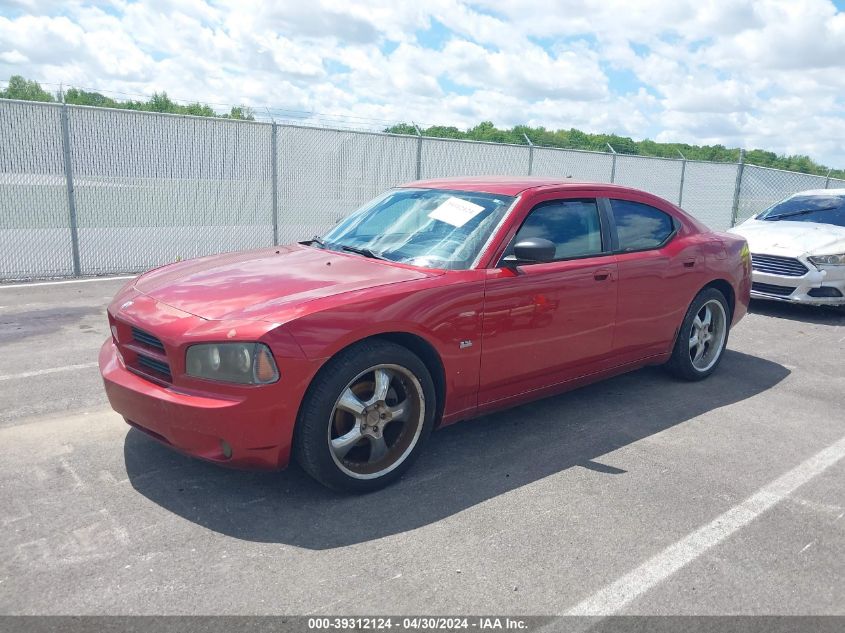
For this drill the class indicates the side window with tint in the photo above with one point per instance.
(573, 226)
(640, 226)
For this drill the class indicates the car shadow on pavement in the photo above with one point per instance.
(820, 315)
(462, 465)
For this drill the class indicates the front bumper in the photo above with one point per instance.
(805, 289)
(253, 430)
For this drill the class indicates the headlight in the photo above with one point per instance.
(828, 260)
(244, 363)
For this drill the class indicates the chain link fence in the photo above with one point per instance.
(153, 188)
(709, 192)
(762, 186)
(35, 234)
(575, 164)
(92, 191)
(322, 175)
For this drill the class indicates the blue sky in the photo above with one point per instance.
(764, 73)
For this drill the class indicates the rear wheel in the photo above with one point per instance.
(702, 338)
(366, 417)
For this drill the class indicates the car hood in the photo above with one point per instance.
(791, 239)
(262, 284)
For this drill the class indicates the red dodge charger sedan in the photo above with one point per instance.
(436, 302)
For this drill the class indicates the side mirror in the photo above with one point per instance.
(532, 250)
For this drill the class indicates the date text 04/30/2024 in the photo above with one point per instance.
(416, 623)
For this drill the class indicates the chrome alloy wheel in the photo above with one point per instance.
(376, 421)
(707, 335)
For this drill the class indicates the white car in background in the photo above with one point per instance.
(798, 248)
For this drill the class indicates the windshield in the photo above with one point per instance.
(824, 209)
(432, 228)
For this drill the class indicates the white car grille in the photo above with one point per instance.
(776, 265)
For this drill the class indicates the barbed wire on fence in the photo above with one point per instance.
(87, 190)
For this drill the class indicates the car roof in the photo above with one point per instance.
(512, 185)
(820, 192)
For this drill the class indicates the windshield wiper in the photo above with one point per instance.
(314, 240)
(801, 212)
(366, 252)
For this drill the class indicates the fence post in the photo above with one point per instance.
(275, 189)
(530, 153)
(683, 174)
(71, 195)
(827, 179)
(419, 151)
(739, 170)
(613, 165)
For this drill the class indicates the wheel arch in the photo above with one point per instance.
(429, 356)
(725, 287)
(426, 352)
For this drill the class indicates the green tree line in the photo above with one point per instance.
(576, 139)
(21, 88)
(27, 90)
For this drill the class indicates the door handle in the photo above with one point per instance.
(689, 263)
(601, 275)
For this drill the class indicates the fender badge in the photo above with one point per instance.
(465, 344)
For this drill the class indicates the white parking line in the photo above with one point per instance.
(42, 372)
(632, 585)
(35, 284)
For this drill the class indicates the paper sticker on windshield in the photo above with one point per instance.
(456, 212)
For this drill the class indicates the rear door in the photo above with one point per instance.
(659, 274)
(545, 323)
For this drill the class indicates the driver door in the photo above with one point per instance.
(547, 323)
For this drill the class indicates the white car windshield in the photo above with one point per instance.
(431, 228)
(824, 209)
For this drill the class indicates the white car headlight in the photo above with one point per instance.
(828, 260)
(245, 363)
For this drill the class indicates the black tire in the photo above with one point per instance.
(318, 414)
(681, 362)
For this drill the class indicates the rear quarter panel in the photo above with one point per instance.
(656, 288)
(733, 264)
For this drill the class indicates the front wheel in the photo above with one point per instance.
(702, 338)
(365, 417)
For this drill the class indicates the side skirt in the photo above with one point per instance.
(563, 387)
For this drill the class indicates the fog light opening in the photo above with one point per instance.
(225, 449)
(825, 292)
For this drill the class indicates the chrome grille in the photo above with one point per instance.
(776, 265)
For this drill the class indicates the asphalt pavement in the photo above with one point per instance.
(638, 495)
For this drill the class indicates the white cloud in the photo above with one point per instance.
(13, 57)
(758, 73)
